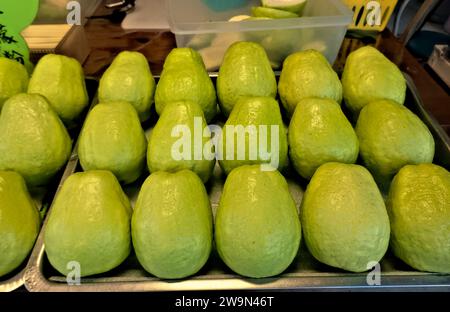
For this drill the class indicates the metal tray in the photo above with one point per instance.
(43, 197)
(304, 274)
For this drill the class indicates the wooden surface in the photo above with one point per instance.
(107, 39)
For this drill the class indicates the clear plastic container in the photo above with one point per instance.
(204, 26)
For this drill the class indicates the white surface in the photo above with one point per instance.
(148, 14)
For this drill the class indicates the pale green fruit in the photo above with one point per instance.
(369, 76)
(257, 229)
(248, 117)
(184, 78)
(60, 79)
(245, 71)
(129, 79)
(176, 144)
(319, 133)
(307, 74)
(295, 6)
(89, 223)
(390, 137)
(33, 140)
(344, 219)
(13, 79)
(272, 13)
(112, 139)
(419, 210)
(239, 18)
(172, 224)
(19, 221)
(258, 18)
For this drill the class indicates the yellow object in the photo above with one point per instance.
(370, 14)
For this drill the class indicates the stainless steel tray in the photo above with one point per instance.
(43, 198)
(304, 274)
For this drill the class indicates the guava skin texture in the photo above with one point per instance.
(33, 140)
(60, 79)
(370, 76)
(13, 79)
(19, 221)
(257, 229)
(256, 112)
(390, 137)
(89, 223)
(419, 210)
(129, 79)
(184, 78)
(172, 226)
(307, 74)
(319, 133)
(344, 218)
(245, 71)
(164, 138)
(112, 139)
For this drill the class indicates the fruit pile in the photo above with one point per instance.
(257, 230)
(34, 143)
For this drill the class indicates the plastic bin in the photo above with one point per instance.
(201, 25)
